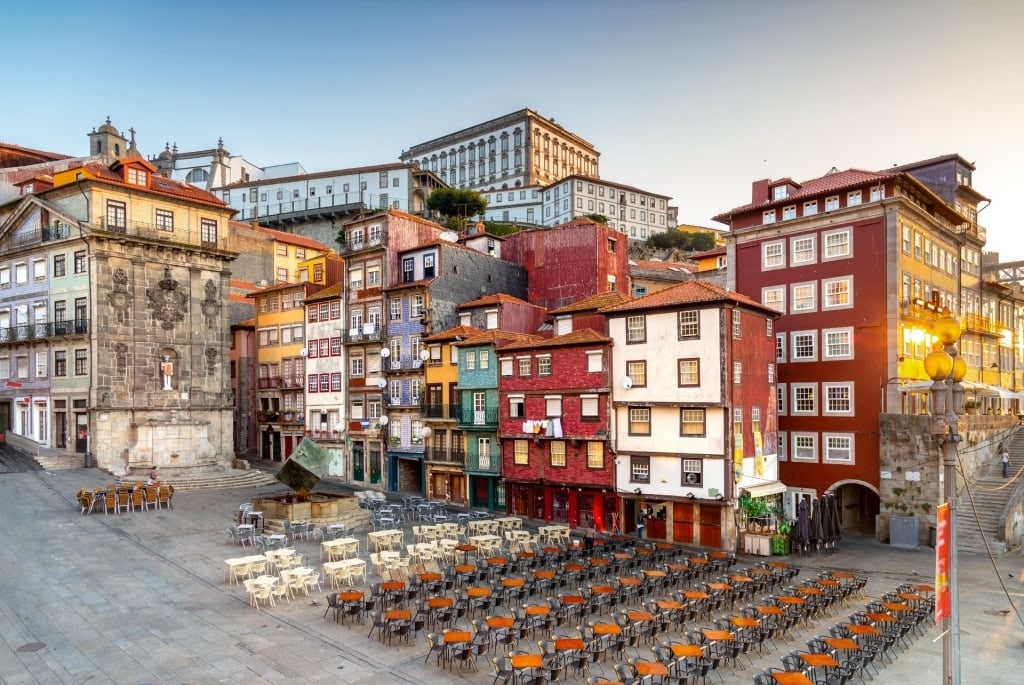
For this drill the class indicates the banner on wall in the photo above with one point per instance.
(942, 563)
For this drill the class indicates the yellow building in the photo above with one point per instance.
(291, 252)
(445, 454)
(281, 366)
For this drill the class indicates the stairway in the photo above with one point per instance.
(231, 478)
(990, 494)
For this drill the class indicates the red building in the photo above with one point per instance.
(554, 431)
(569, 262)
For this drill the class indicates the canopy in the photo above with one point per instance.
(979, 389)
(764, 489)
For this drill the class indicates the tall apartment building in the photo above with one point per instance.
(857, 263)
(638, 213)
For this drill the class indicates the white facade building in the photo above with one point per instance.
(325, 375)
(635, 212)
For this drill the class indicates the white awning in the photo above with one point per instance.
(970, 387)
(764, 489)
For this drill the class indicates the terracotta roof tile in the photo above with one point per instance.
(655, 265)
(158, 184)
(452, 334)
(584, 336)
(829, 183)
(497, 298)
(327, 293)
(688, 292)
(310, 288)
(593, 303)
(293, 239)
(498, 338)
(248, 323)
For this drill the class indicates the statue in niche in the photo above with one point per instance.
(167, 371)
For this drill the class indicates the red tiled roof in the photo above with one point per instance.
(158, 184)
(422, 283)
(248, 323)
(310, 288)
(584, 336)
(713, 252)
(829, 183)
(327, 293)
(498, 337)
(654, 265)
(593, 303)
(293, 239)
(12, 150)
(497, 298)
(452, 334)
(688, 292)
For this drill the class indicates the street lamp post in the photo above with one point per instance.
(946, 369)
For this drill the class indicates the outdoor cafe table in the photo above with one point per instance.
(231, 564)
(465, 549)
(843, 575)
(843, 643)
(602, 590)
(769, 610)
(777, 564)
(598, 561)
(911, 597)
(509, 523)
(568, 644)
(743, 621)
(668, 604)
(896, 606)
(431, 577)
(688, 651)
(646, 669)
(791, 678)
(357, 566)
(717, 635)
(922, 587)
(500, 622)
(695, 594)
(786, 599)
(880, 617)
(860, 629)
(629, 580)
(653, 573)
(384, 539)
(339, 547)
(607, 629)
(828, 583)
(538, 610)
(640, 616)
(527, 662)
(816, 661)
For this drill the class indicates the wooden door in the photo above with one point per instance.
(710, 526)
(682, 523)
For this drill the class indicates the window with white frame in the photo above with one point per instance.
(483, 452)
(636, 329)
(553, 405)
(589, 407)
(831, 203)
(521, 453)
(689, 372)
(558, 453)
(803, 297)
(692, 422)
(689, 324)
(544, 365)
(640, 469)
(768, 216)
(783, 452)
(737, 373)
(516, 406)
(693, 472)
(804, 398)
(769, 326)
(525, 365)
(470, 360)
(774, 297)
(838, 343)
(837, 244)
(595, 455)
(789, 212)
(838, 448)
(505, 365)
(780, 347)
(837, 292)
(771, 373)
(484, 359)
(395, 309)
(737, 426)
(637, 372)
(803, 347)
(639, 420)
(877, 193)
(781, 399)
(595, 362)
(805, 447)
(810, 207)
(803, 250)
(838, 398)
(737, 324)
(755, 420)
(773, 255)
(853, 198)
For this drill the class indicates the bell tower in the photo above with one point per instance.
(107, 140)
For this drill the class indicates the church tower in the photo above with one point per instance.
(107, 140)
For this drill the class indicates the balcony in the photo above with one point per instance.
(292, 383)
(403, 402)
(178, 235)
(368, 332)
(441, 411)
(452, 456)
(976, 323)
(479, 418)
(335, 205)
(405, 364)
(268, 383)
(487, 463)
(44, 331)
(373, 242)
(45, 234)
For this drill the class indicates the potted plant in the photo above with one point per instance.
(971, 406)
(395, 441)
(757, 512)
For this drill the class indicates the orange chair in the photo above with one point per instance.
(138, 499)
(124, 501)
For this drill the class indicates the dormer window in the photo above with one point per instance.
(138, 177)
(779, 192)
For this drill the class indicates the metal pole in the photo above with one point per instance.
(951, 636)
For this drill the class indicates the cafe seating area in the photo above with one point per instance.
(125, 497)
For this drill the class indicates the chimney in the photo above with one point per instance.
(759, 191)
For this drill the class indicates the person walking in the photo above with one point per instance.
(1006, 462)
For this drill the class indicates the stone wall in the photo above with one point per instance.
(910, 464)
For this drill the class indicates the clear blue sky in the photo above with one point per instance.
(690, 99)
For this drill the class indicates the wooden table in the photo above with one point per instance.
(743, 621)
(397, 615)
(650, 668)
(879, 617)
(526, 661)
(695, 594)
(500, 622)
(654, 573)
(858, 629)
(791, 678)
(478, 591)
(717, 635)
(819, 660)
(457, 636)
(769, 610)
(640, 615)
(668, 604)
(568, 644)
(607, 629)
(841, 643)
(786, 599)
(896, 606)
(465, 549)
(687, 651)
(538, 610)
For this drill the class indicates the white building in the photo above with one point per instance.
(635, 212)
(215, 168)
(325, 402)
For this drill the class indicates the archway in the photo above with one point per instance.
(858, 505)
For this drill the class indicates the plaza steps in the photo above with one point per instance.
(990, 494)
(224, 480)
(59, 461)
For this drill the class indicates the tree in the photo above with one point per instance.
(456, 205)
(598, 218)
(689, 242)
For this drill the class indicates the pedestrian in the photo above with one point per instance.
(153, 476)
(588, 537)
(1006, 462)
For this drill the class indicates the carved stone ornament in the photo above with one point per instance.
(169, 305)
(211, 305)
(211, 361)
(121, 356)
(120, 299)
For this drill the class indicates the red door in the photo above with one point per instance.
(710, 526)
(682, 523)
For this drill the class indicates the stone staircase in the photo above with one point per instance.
(225, 480)
(990, 494)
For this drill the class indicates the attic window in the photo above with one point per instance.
(779, 192)
(137, 177)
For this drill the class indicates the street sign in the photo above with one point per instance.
(12, 384)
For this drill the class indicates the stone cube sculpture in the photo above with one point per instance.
(304, 469)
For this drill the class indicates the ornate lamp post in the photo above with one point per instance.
(946, 369)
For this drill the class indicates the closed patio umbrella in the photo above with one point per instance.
(817, 530)
(801, 533)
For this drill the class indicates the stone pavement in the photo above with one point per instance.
(139, 598)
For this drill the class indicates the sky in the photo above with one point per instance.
(694, 100)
